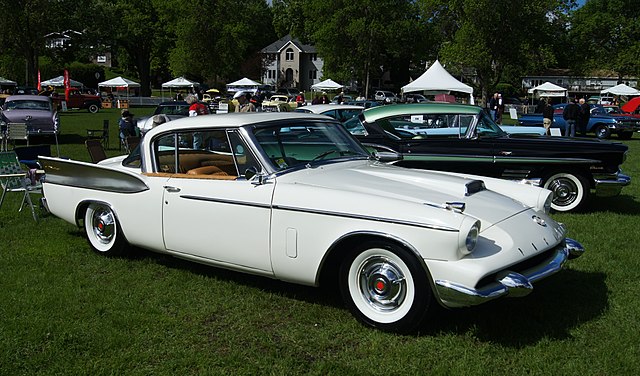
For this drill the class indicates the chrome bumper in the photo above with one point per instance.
(611, 186)
(508, 283)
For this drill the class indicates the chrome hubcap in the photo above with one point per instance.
(564, 190)
(103, 225)
(382, 283)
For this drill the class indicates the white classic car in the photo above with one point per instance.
(293, 196)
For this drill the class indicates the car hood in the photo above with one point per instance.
(374, 189)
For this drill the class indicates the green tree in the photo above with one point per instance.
(605, 34)
(221, 40)
(494, 36)
(362, 38)
(24, 27)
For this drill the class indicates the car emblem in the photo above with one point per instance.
(28, 117)
(539, 221)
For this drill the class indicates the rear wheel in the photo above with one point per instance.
(602, 131)
(570, 191)
(93, 108)
(385, 287)
(103, 230)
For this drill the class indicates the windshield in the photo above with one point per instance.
(306, 143)
(487, 128)
(28, 105)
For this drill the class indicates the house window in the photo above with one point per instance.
(101, 59)
(313, 74)
(313, 57)
(289, 54)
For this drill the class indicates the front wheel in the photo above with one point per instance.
(603, 132)
(570, 191)
(385, 287)
(103, 230)
(93, 108)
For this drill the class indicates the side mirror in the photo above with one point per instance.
(387, 156)
(256, 178)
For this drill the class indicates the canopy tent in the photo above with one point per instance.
(244, 84)
(7, 82)
(436, 80)
(178, 83)
(621, 89)
(59, 82)
(548, 89)
(119, 82)
(327, 84)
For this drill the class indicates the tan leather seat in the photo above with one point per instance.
(206, 170)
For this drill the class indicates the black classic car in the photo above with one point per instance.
(462, 138)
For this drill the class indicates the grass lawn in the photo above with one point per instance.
(66, 310)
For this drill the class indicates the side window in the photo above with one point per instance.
(486, 128)
(164, 149)
(242, 155)
(202, 154)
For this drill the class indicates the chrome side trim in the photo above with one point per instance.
(367, 218)
(507, 282)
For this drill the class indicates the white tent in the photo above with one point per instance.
(178, 83)
(119, 82)
(59, 82)
(548, 89)
(328, 84)
(244, 84)
(436, 80)
(7, 82)
(621, 89)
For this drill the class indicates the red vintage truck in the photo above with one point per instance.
(75, 99)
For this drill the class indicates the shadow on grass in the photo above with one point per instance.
(623, 204)
(556, 306)
(552, 310)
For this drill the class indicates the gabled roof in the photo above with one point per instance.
(278, 45)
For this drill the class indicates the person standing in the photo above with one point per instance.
(196, 109)
(583, 117)
(499, 109)
(570, 115)
(244, 102)
(493, 106)
(547, 115)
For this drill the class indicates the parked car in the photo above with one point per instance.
(386, 96)
(36, 111)
(173, 110)
(463, 138)
(340, 112)
(600, 123)
(293, 196)
(363, 103)
(78, 100)
(279, 103)
(414, 98)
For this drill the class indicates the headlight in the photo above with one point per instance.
(544, 201)
(468, 235)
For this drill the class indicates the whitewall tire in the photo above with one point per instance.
(103, 230)
(570, 191)
(385, 287)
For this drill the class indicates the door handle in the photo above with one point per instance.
(171, 189)
(504, 152)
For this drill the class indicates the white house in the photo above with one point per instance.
(289, 63)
